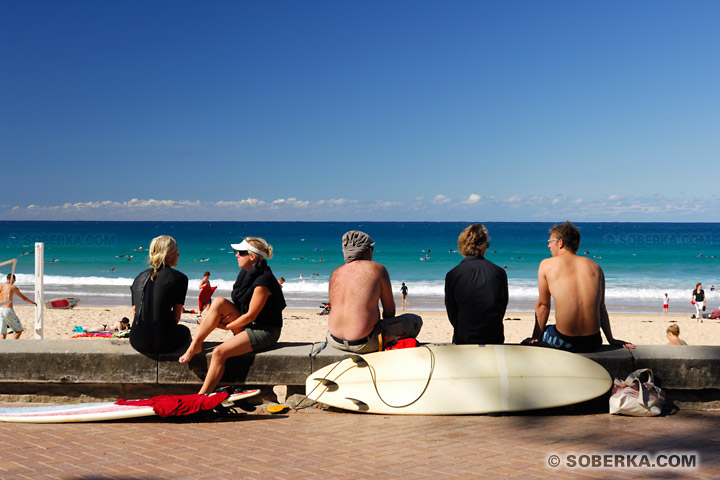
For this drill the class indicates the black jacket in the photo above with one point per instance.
(476, 296)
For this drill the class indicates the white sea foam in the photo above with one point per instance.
(311, 291)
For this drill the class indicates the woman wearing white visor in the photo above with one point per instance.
(254, 315)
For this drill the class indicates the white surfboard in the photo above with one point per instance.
(91, 412)
(64, 303)
(458, 379)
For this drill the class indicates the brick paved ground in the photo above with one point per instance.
(321, 444)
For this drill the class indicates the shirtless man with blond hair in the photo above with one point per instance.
(354, 322)
(8, 317)
(578, 286)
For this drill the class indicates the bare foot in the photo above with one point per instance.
(189, 354)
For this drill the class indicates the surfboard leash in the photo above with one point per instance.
(298, 407)
(427, 384)
(374, 382)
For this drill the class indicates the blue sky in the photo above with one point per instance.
(373, 110)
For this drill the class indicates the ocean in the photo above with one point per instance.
(97, 261)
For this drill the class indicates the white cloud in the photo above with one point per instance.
(471, 199)
(441, 207)
(440, 199)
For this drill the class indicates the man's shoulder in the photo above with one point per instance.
(359, 268)
(361, 265)
(548, 262)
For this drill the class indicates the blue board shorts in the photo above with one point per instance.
(9, 320)
(581, 344)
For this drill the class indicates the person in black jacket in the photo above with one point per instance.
(158, 296)
(254, 315)
(476, 292)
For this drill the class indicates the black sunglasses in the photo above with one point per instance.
(242, 253)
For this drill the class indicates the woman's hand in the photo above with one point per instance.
(257, 302)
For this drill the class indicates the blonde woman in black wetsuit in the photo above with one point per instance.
(158, 296)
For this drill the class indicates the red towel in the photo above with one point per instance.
(176, 405)
(403, 343)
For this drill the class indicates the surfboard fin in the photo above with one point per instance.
(357, 359)
(361, 406)
(329, 384)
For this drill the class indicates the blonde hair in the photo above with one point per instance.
(160, 248)
(674, 329)
(260, 244)
(473, 239)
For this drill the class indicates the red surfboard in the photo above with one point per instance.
(205, 294)
(63, 303)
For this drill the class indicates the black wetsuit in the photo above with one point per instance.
(259, 275)
(476, 296)
(154, 329)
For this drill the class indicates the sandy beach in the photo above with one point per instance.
(306, 326)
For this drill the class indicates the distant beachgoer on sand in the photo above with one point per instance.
(119, 326)
(666, 304)
(673, 335)
(698, 295)
(205, 282)
(476, 292)
(8, 317)
(403, 293)
(356, 287)
(158, 296)
(206, 291)
(281, 280)
(577, 284)
(254, 316)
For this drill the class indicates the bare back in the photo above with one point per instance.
(577, 284)
(6, 295)
(355, 290)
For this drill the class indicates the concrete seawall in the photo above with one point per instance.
(110, 368)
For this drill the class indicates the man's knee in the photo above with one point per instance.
(403, 326)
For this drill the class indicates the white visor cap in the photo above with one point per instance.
(249, 248)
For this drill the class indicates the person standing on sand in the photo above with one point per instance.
(666, 304)
(577, 284)
(403, 293)
(8, 317)
(698, 295)
(206, 291)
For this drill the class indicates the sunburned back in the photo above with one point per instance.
(576, 284)
(355, 290)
